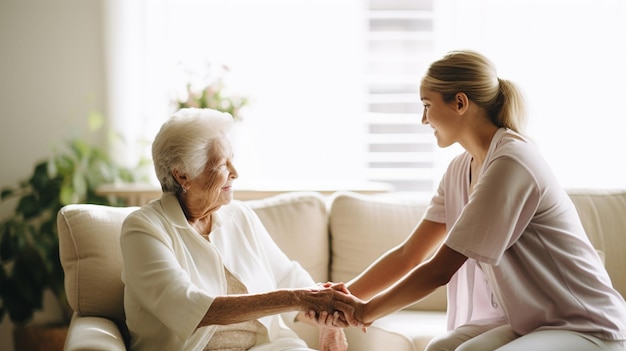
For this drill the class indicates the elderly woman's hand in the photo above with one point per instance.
(332, 339)
(321, 303)
(336, 307)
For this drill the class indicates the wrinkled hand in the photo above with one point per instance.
(320, 303)
(344, 309)
(332, 339)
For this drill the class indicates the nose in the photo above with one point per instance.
(233, 171)
(424, 119)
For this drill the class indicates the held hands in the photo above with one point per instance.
(341, 311)
(334, 314)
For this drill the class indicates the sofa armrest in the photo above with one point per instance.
(93, 333)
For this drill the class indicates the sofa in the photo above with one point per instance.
(333, 236)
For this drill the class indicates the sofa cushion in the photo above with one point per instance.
(89, 248)
(603, 215)
(298, 223)
(418, 326)
(363, 227)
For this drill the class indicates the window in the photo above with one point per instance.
(568, 57)
(335, 83)
(400, 42)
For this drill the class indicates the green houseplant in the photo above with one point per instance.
(29, 248)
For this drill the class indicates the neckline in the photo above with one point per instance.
(492, 145)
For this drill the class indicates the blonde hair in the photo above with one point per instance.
(473, 74)
(185, 141)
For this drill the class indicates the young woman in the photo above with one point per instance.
(520, 270)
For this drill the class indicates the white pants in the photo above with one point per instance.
(502, 338)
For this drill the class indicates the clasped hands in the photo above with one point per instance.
(336, 307)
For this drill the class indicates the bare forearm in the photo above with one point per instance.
(229, 309)
(400, 295)
(419, 283)
(397, 262)
(384, 272)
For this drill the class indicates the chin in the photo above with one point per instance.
(442, 144)
(226, 198)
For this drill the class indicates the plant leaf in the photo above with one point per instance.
(67, 195)
(18, 307)
(28, 206)
(95, 120)
(8, 245)
(6, 192)
(64, 165)
(40, 178)
(80, 186)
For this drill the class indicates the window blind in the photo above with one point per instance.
(400, 150)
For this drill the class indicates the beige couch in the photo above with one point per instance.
(334, 237)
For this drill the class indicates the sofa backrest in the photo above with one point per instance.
(298, 223)
(603, 215)
(363, 227)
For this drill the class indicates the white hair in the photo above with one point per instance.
(184, 143)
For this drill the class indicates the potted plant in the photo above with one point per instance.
(29, 247)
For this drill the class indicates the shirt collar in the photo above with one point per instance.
(176, 216)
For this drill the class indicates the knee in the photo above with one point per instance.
(441, 344)
(448, 345)
(468, 346)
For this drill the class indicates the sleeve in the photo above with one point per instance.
(156, 279)
(499, 210)
(436, 210)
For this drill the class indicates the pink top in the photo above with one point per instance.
(523, 230)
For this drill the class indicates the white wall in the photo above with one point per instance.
(51, 77)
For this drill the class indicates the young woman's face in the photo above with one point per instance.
(441, 116)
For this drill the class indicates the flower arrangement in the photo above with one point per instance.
(207, 89)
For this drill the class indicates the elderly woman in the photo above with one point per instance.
(201, 272)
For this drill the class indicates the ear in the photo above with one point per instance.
(180, 177)
(461, 102)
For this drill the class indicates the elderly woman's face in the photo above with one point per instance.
(215, 182)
